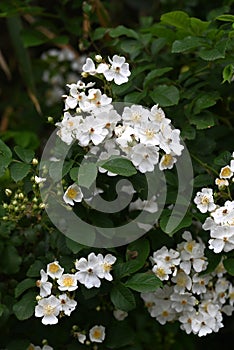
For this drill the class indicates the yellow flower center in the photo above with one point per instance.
(160, 272)
(149, 133)
(97, 334)
(68, 281)
(48, 310)
(226, 172)
(205, 200)
(167, 159)
(71, 193)
(53, 268)
(107, 267)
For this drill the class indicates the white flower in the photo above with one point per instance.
(148, 205)
(170, 140)
(167, 162)
(120, 315)
(73, 194)
(148, 134)
(105, 264)
(135, 115)
(54, 270)
(67, 304)
(44, 285)
(39, 180)
(89, 66)
(182, 302)
(221, 183)
(93, 130)
(88, 270)
(119, 70)
(81, 337)
(48, 309)
(204, 200)
(97, 334)
(95, 100)
(144, 157)
(226, 172)
(67, 282)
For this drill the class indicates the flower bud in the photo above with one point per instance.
(98, 58)
(8, 192)
(34, 161)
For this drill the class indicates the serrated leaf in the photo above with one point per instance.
(214, 53)
(24, 309)
(223, 158)
(19, 171)
(186, 44)
(228, 73)
(120, 166)
(26, 155)
(179, 19)
(122, 297)
(144, 282)
(202, 121)
(87, 174)
(122, 30)
(165, 95)
(23, 286)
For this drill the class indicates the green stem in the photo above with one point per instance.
(205, 165)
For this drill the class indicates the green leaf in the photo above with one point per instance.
(202, 180)
(225, 18)
(34, 269)
(55, 167)
(19, 171)
(23, 286)
(122, 30)
(165, 95)
(120, 166)
(184, 223)
(74, 173)
(150, 77)
(228, 73)
(144, 282)
(229, 265)
(136, 256)
(135, 97)
(10, 260)
(122, 297)
(178, 19)
(215, 53)
(74, 246)
(24, 309)
(87, 174)
(186, 44)
(32, 37)
(202, 121)
(26, 155)
(223, 158)
(205, 101)
(213, 261)
(5, 157)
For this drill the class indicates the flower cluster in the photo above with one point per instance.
(144, 136)
(96, 334)
(195, 298)
(89, 272)
(220, 222)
